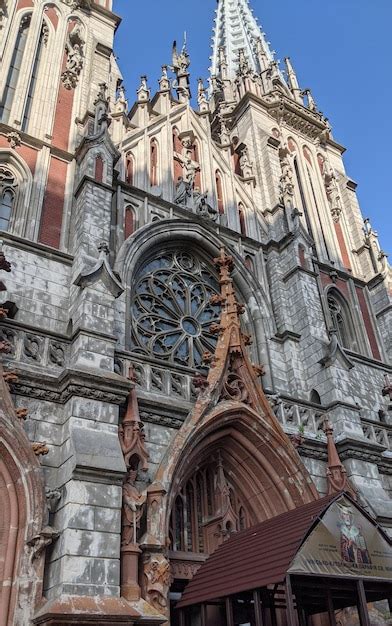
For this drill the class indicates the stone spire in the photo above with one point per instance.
(336, 472)
(236, 28)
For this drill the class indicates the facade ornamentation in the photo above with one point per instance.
(157, 574)
(287, 177)
(245, 164)
(40, 542)
(333, 194)
(74, 48)
(13, 139)
(40, 448)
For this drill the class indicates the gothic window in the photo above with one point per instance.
(34, 76)
(341, 319)
(153, 163)
(199, 502)
(8, 188)
(219, 192)
(171, 311)
(129, 169)
(242, 218)
(129, 222)
(14, 69)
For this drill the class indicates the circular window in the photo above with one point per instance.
(171, 310)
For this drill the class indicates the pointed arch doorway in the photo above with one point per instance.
(236, 471)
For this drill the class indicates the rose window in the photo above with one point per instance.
(171, 310)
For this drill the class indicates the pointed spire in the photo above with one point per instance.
(336, 472)
(131, 433)
(293, 81)
(235, 28)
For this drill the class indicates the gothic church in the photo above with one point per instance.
(195, 318)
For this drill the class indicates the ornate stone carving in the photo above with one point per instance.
(245, 164)
(40, 542)
(184, 570)
(78, 4)
(287, 177)
(157, 576)
(32, 347)
(101, 271)
(53, 496)
(40, 448)
(75, 56)
(56, 353)
(13, 139)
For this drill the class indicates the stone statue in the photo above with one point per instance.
(180, 61)
(202, 207)
(74, 64)
(183, 192)
(132, 511)
(245, 164)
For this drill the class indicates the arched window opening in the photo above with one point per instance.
(341, 319)
(302, 256)
(307, 155)
(129, 169)
(129, 222)
(170, 308)
(199, 515)
(219, 192)
(153, 163)
(34, 76)
(249, 263)
(8, 190)
(242, 219)
(14, 69)
(315, 397)
(98, 174)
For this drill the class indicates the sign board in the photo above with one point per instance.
(344, 543)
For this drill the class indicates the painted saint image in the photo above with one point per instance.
(352, 542)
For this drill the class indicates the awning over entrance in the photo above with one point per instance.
(331, 537)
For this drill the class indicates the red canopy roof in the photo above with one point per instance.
(255, 557)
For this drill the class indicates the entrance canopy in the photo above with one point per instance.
(330, 537)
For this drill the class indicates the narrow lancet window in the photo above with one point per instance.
(14, 69)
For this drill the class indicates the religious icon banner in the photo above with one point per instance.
(344, 543)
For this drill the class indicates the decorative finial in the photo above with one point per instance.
(336, 472)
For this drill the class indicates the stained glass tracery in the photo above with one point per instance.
(171, 309)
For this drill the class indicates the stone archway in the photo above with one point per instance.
(22, 518)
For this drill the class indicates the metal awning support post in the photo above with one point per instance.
(290, 610)
(331, 610)
(229, 613)
(203, 616)
(258, 613)
(362, 604)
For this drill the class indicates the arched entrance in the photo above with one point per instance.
(22, 518)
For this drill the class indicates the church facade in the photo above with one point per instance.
(193, 310)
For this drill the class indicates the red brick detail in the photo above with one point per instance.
(236, 162)
(196, 158)
(129, 222)
(99, 169)
(52, 210)
(307, 155)
(302, 259)
(64, 106)
(342, 245)
(24, 4)
(52, 15)
(28, 154)
(368, 323)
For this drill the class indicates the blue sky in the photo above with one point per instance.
(341, 49)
